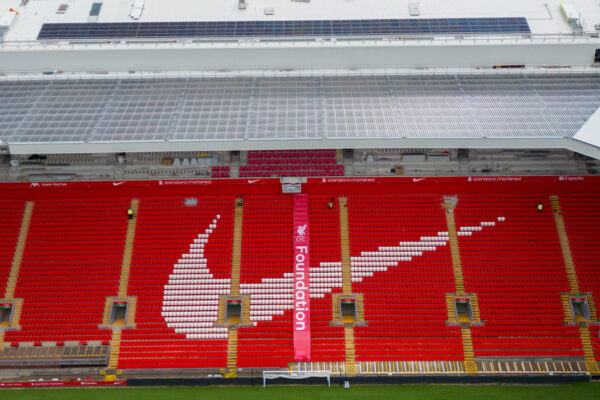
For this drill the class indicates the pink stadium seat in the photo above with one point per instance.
(273, 163)
(220, 172)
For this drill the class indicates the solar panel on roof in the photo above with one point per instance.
(283, 28)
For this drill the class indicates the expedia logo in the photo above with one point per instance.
(570, 178)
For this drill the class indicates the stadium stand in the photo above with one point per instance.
(521, 306)
(327, 340)
(582, 217)
(166, 227)
(316, 188)
(266, 254)
(401, 257)
(406, 305)
(70, 265)
(583, 226)
(291, 163)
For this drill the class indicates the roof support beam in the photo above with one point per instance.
(349, 143)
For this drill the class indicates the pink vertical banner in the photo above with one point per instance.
(301, 317)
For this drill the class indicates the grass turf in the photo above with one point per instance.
(430, 392)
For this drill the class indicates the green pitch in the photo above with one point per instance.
(431, 392)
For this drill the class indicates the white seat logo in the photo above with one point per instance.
(191, 297)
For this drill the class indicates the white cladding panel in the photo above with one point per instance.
(161, 57)
(590, 131)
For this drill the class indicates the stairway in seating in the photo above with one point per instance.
(360, 310)
(454, 250)
(11, 284)
(115, 343)
(232, 347)
(584, 333)
(469, 355)
(350, 345)
(232, 335)
(350, 349)
(345, 242)
(475, 309)
(564, 244)
(131, 309)
(127, 252)
(237, 249)
(115, 347)
(588, 350)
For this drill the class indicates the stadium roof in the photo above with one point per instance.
(107, 78)
(240, 113)
(205, 35)
(200, 35)
(543, 17)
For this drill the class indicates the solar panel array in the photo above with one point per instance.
(284, 28)
(303, 107)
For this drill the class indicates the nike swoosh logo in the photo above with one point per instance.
(209, 287)
(253, 180)
(118, 183)
(417, 179)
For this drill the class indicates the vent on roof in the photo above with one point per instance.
(572, 16)
(62, 8)
(413, 9)
(94, 12)
(136, 9)
(242, 4)
(6, 21)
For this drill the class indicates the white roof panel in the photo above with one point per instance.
(306, 107)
